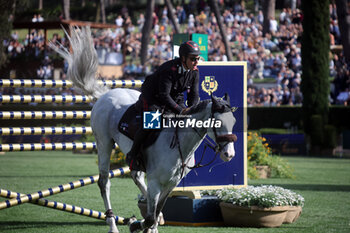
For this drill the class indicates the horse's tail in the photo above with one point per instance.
(83, 61)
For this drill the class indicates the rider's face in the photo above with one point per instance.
(192, 62)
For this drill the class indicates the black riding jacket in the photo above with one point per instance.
(166, 86)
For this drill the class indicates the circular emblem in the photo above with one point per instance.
(209, 84)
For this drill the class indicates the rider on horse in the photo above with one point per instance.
(163, 90)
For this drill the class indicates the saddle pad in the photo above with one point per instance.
(131, 121)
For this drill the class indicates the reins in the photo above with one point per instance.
(217, 147)
(199, 164)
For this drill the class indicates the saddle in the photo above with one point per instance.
(130, 123)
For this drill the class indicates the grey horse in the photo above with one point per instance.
(166, 164)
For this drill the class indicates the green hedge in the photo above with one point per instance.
(277, 117)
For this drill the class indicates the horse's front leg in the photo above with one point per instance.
(153, 194)
(139, 179)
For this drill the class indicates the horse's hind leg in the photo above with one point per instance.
(104, 152)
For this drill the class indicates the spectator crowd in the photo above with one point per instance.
(274, 56)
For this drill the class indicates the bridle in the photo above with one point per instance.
(217, 147)
(225, 138)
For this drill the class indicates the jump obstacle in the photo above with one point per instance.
(63, 207)
(37, 197)
(15, 115)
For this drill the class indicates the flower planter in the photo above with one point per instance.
(293, 214)
(264, 171)
(253, 216)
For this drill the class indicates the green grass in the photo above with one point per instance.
(323, 182)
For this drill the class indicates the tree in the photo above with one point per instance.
(103, 11)
(215, 8)
(146, 30)
(172, 16)
(269, 13)
(66, 9)
(343, 12)
(5, 27)
(315, 68)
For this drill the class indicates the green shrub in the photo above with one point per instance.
(259, 153)
(316, 128)
(330, 136)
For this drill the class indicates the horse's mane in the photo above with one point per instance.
(199, 107)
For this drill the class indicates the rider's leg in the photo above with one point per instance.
(140, 137)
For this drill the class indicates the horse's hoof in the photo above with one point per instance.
(135, 227)
(150, 230)
(161, 220)
(113, 231)
(112, 226)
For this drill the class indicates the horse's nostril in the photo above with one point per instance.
(226, 154)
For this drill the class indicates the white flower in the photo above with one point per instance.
(262, 196)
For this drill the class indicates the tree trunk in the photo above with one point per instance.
(40, 5)
(343, 13)
(146, 31)
(5, 26)
(268, 12)
(315, 70)
(98, 11)
(66, 9)
(172, 16)
(215, 8)
(103, 11)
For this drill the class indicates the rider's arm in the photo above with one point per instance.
(193, 95)
(165, 85)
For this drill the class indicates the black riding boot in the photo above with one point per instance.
(140, 137)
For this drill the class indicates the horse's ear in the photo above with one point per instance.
(217, 106)
(227, 98)
(214, 100)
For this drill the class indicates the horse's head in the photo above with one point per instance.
(223, 136)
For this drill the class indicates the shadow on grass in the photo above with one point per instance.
(316, 187)
(12, 225)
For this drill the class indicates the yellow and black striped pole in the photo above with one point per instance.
(9, 115)
(45, 99)
(59, 189)
(45, 130)
(48, 146)
(63, 207)
(65, 83)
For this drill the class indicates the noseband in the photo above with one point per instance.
(226, 138)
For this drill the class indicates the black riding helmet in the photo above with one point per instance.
(189, 48)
